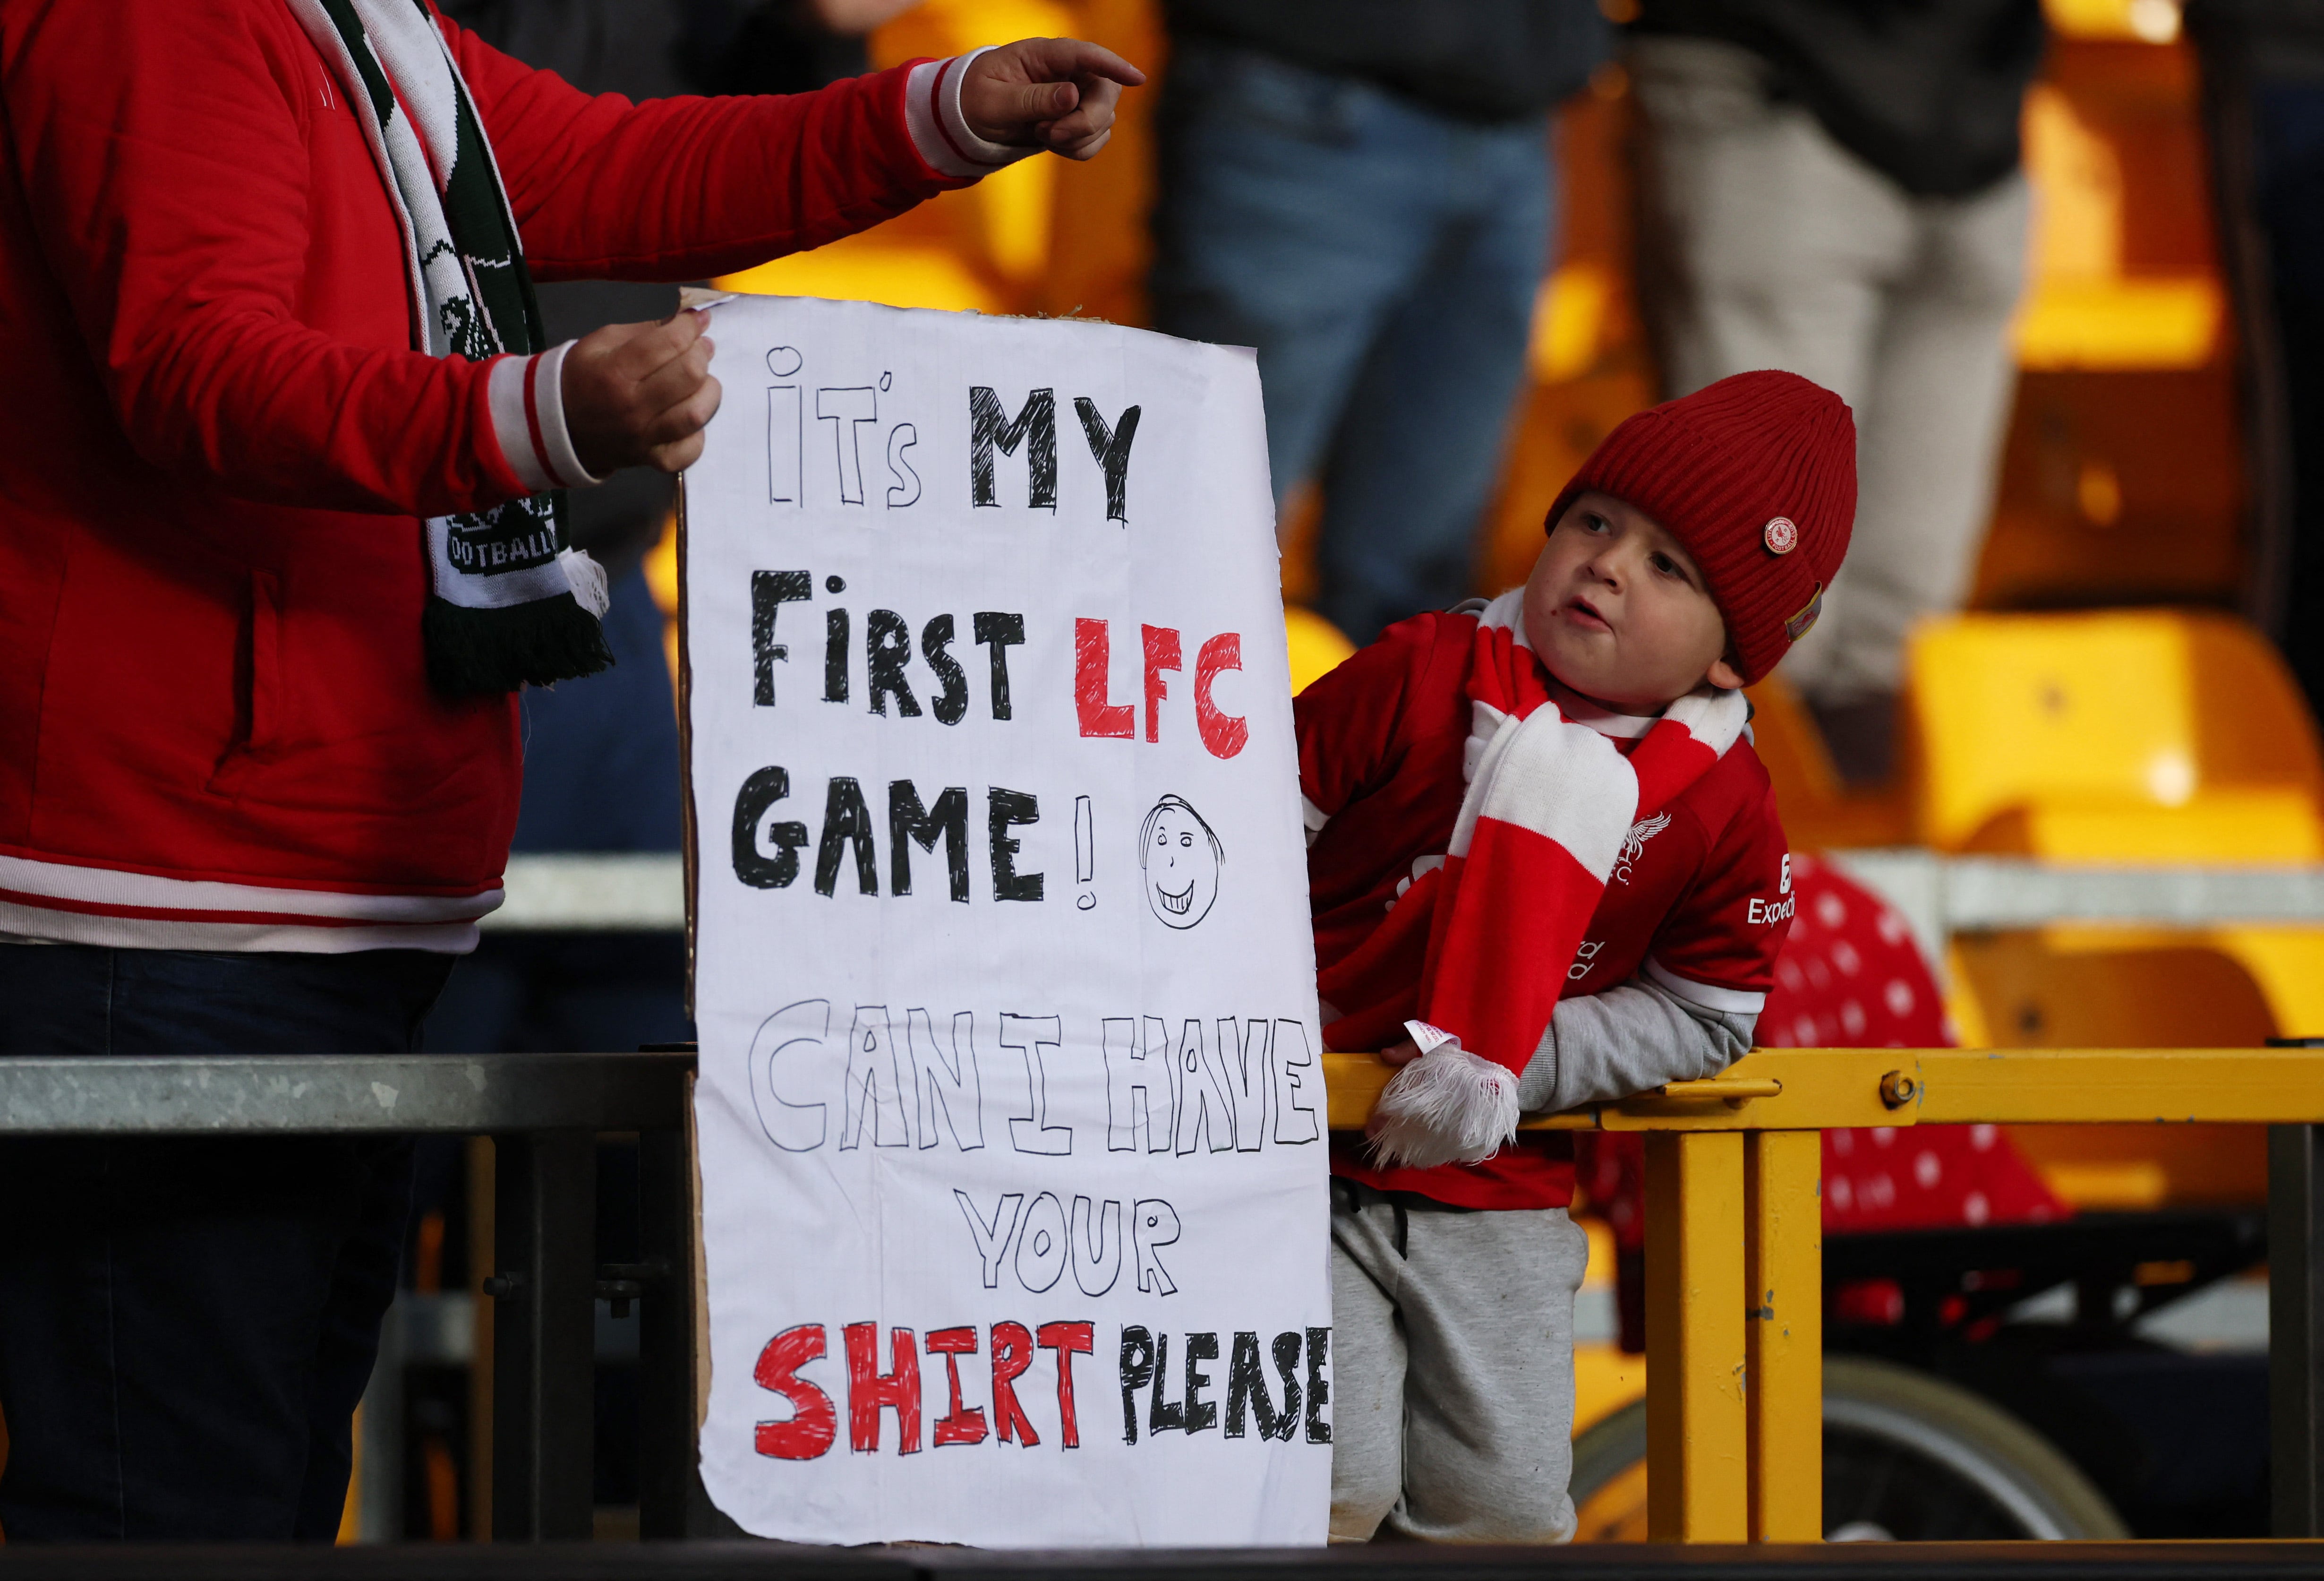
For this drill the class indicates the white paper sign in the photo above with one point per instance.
(1012, 1130)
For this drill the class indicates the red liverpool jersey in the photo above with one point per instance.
(1699, 900)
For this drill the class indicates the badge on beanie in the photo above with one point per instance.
(1781, 537)
(1797, 626)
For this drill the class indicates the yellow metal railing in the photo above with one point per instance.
(1735, 1234)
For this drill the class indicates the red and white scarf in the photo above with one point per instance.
(1549, 803)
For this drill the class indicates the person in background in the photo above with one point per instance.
(778, 46)
(654, 49)
(284, 457)
(1361, 189)
(2263, 63)
(1832, 187)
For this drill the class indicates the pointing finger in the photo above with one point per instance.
(1056, 60)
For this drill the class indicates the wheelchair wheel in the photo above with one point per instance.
(1906, 1457)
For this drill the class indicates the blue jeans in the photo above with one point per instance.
(186, 1325)
(1383, 259)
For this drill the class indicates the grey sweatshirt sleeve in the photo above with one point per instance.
(1625, 1041)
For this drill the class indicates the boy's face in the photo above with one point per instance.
(1617, 609)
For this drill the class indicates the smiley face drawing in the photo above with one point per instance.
(1181, 859)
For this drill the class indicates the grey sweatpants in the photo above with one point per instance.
(1769, 245)
(1453, 1371)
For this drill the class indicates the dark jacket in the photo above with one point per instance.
(1484, 59)
(1928, 92)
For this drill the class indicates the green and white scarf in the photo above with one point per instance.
(512, 602)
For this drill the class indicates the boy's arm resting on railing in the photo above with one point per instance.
(1629, 1040)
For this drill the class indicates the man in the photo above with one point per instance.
(280, 539)
(1832, 187)
(1361, 189)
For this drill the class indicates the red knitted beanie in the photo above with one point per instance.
(1756, 475)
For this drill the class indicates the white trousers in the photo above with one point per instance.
(1766, 245)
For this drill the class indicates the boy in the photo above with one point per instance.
(1540, 846)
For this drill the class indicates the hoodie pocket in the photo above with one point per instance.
(257, 690)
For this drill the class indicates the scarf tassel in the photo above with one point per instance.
(537, 642)
(1449, 1106)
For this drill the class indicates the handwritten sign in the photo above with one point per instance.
(1012, 1130)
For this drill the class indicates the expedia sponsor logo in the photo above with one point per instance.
(1771, 911)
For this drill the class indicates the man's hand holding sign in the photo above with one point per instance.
(1012, 1132)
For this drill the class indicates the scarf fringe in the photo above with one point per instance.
(538, 643)
(1449, 1106)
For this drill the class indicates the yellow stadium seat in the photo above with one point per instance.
(2080, 986)
(2131, 737)
(2128, 735)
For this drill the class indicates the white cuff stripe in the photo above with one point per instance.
(991, 155)
(26, 925)
(1729, 1000)
(920, 121)
(504, 394)
(941, 133)
(526, 396)
(34, 881)
(548, 406)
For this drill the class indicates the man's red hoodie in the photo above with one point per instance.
(216, 443)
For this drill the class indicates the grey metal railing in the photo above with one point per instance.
(543, 1112)
(645, 891)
